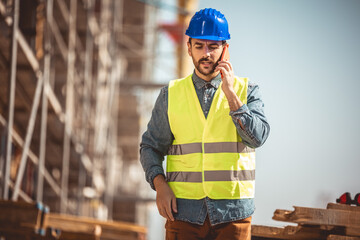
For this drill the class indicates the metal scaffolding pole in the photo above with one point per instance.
(86, 104)
(58, 38)
(11, 98)
(19, 141)
(64, 53)
(65, 13)
(22, 194)
(102, 89)
(47, 58)
(35, 65)
(88, 73)
(2, 158)
(28, 138)
(69, 105)
(51, 97)
(116, 70)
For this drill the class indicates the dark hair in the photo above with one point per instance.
(223, 41)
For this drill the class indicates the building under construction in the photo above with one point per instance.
(75, 76)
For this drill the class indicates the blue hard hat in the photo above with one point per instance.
(208, 24)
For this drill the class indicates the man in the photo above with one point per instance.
(208, 126)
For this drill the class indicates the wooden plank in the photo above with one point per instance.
(288, 232)
(338, 237)
(51, 234)
(316, 216)
(27, 233)
(109, 230)
(267, 232)
(345, 207)
(81, 234)
(71, 228)
(352, 231)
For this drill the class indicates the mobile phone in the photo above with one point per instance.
(225, 56)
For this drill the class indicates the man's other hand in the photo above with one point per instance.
(165, 198)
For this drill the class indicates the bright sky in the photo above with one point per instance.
(305, 56)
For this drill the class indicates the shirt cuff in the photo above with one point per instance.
(243, 109)
(153, 174)
(238, 115)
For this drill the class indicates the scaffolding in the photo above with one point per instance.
(65, 124)
(72, 73)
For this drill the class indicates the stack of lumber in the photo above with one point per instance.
(22, 220)
(336, 222)
(33, 221)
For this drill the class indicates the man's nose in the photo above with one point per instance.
(207, 51)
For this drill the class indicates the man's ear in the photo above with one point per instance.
(189, 49)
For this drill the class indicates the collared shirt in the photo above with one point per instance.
(205, 91)
(158, 138)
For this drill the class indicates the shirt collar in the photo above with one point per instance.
(200, 83)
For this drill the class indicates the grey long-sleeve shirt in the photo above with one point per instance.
(158, 138)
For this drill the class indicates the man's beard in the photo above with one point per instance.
(197, 66)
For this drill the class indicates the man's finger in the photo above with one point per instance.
(169, 213)
(173, 204)
(226, 64)
(163, 214)
(220, 68)
(223, 66)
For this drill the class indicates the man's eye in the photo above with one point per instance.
(198, 47)
(213, 47)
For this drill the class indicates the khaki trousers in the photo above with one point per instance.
(237, 230)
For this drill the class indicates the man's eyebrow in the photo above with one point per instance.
(211, 44)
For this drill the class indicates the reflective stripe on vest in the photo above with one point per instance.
(207, 157)
(221, 175)
(218, 147)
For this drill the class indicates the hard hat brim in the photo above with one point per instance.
(213, 38)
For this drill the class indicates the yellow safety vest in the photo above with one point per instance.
(207, 156)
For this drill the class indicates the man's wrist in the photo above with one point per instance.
(228, 90)
(233, 100)
(152, 174)
(158, 181)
